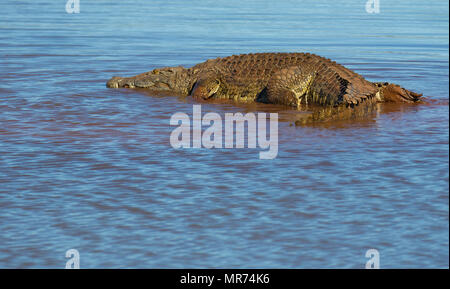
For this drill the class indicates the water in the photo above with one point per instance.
(91, 168)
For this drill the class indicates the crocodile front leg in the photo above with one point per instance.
(205, 88)
(290, 86)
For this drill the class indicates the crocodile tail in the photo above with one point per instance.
(358, 90)
(395, 93)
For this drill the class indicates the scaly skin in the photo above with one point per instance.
(292, 79)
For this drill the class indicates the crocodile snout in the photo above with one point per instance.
(116, 82)
(144, 83)
(113, 82)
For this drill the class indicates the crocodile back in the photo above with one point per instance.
(250, 73)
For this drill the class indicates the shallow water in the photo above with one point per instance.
(91, 168)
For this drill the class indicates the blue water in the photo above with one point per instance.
(91, 168)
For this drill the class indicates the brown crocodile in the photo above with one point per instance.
(291, 79)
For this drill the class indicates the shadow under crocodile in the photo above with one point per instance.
(309, 115)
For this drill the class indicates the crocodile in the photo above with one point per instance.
(289, 79)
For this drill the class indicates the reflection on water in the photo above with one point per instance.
(91, 168)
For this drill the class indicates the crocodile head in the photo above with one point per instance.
(164, 79)
(389, 92)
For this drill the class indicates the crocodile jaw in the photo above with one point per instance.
(117, 82)
(173, 79)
